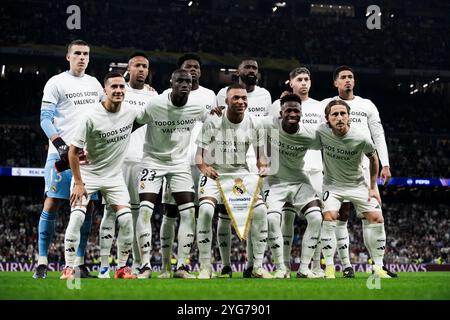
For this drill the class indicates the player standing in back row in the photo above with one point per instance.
(365, 117)
(137, 94)
(67, 96)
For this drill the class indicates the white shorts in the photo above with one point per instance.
(114, 190)
(131, 171)
(298, 194)
(167, 196)
(178, 180)
(334, 196)
(316, 179)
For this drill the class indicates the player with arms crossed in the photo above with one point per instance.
(201, 96)
(105, 133)
(137, 94)
(364, 116)
(343, 150)
(171, 117)
(67, 96)
(236, 128)
(288, 182)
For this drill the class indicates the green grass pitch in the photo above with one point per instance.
(408, 286)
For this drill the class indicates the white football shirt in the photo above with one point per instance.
(73, 96)
(204, 97)
(259, 101)
(105, 135)
(139, 98)
(313, 114)
(169, 130)
(287, 151)
(364, 116)
(342, 156)
(227, 143)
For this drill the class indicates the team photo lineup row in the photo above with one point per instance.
(127, 142)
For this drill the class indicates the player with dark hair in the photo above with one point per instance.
(199, 95)
(259, 102)
(288, 182)
(215, 158)
(171, 117)
(137, 94)
(104, 133)
(364, 116)
(312, 117)
(67, 96)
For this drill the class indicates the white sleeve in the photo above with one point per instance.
(205, 137)
(79, 140)
(51, 92)
(377, 133)
(221, 95)
(275, 109)
(144, 116)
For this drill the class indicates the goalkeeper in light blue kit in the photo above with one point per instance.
(66, 97)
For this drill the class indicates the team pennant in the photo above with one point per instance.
(240, 192)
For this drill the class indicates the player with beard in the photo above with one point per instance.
(137, 94)
(364, 116)
(259, 103)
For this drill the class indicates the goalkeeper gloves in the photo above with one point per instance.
(63, 151)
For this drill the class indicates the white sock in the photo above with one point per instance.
(313, 217)
(204, 232)
(275, 239)
(135, 249)
(125, 236)
(249, 248)
(328, 241)
(167, 234)
(72, 236)
(287, 230)
(343, 243)
(79, 260)
(107, 233)
(144, 231)
(186, 232)
(224, 238)
(376, 238)
(365, 223)
(259, 234)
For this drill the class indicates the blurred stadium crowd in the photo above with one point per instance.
(417, 130)
(416, 233)
(251, 25)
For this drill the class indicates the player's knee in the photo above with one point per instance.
(206, 210)
(260, 212)
(145, 212)
(273, 219)
(314, 218)
(375, 217)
